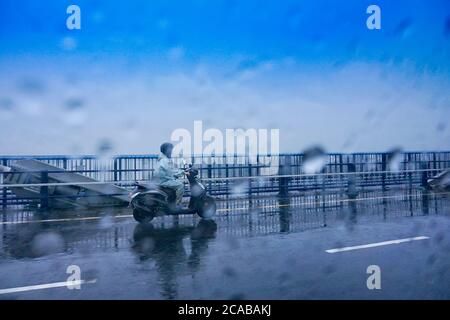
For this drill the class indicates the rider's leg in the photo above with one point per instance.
(178, 187)
(179, 193)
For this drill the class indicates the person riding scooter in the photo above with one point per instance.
(149, 201)
(167, 175)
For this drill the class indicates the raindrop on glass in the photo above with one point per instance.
(314, 160)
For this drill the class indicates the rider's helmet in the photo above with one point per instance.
(166, 149)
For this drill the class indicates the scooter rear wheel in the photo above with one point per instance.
(142, 216)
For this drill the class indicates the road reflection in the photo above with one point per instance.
(165, 246)
(29, 234)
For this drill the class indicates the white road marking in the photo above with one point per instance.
(376, 244)
(46, 286)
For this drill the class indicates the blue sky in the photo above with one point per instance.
(313, 31)
(315, 59)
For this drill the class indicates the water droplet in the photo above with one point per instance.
(74, 103)
(74, 114)
(106, 222)
(394, 159)
(31, 86)
(229, 272)
(68, 44)
(314, 160)
(447, 27)
(6, 104)
(175, 53)
(262, 182)
(403, 28)
(329, 269)
(441, 126)
(439, 237)
(254, 214)
(237, 296)
(104, 147)
(284, 277)
(431, 259)
(147, 244)
(233, 243)
(130, 130)
(240, 188)
(47, 243)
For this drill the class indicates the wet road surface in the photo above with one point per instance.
(307, 247)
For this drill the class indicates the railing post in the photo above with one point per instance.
(115, 169)
(434, 161)
(4, 196)
(44, 190)
(383, 169)
(209, 171)
(283, 182)
(341, 163)
(120, 168)
(352, 185)
(408, 167)
(4, 191)
(250, 180)
(424, 178)
(341, 168)
(258, 167)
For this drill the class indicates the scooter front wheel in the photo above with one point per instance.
(142, 216)
(207, 208)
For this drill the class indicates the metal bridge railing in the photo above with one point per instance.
(243, 178)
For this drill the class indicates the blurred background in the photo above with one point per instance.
(138, 70)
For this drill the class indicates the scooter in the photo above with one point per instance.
(149, 201)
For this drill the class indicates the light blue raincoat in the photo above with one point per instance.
(167, 175)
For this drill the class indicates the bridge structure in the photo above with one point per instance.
(242, 177)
